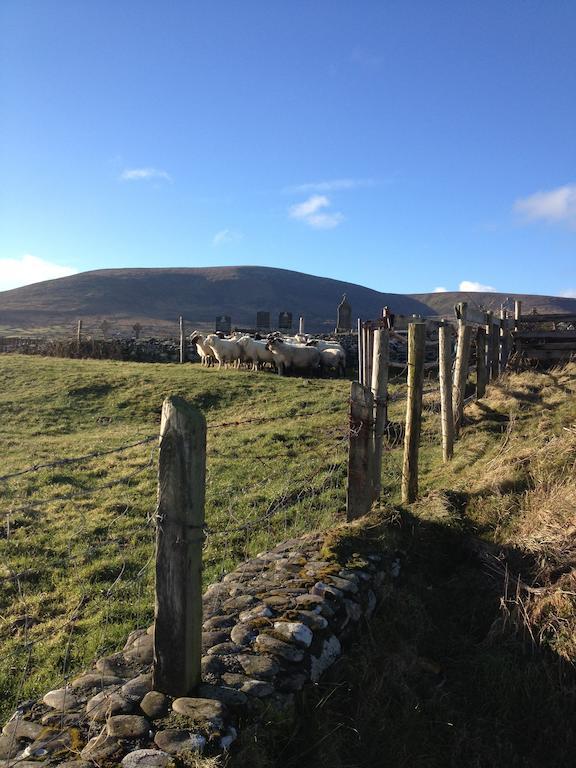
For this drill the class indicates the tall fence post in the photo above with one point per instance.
(416, 349)
(461, 368)
(359, 494)
(494, 343)
(504, 340)
(182, 340)
(79, 336)
(360, 353)
(179, 539)
(380, 394)
(481, 373)
(301, 325)
(445, 373)
(517, 313)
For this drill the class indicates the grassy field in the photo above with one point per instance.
(466, 664)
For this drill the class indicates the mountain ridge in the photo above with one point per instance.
(156, 296)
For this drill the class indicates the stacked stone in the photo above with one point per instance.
(273, 624)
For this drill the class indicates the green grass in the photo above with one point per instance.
(266, 481)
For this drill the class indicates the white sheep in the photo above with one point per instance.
(227, 352)
(255, 352)
(206, 355)
(292, 356)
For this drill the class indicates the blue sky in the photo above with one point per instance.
(401, 144)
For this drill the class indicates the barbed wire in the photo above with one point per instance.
(76, 459)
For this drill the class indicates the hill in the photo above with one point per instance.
(156, 297)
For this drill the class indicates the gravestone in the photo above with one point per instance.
(285, 321)
(344, 316)
(224, 324)
(263, 321)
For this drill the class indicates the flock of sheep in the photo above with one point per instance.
(285, 354)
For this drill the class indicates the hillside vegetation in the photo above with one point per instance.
(155, 298)
(469, 660)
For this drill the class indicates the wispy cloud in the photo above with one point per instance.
(555, 206)
(29, 269)
(313, 213)
(226, 236)
(144, 174)
(329, 185)
(569, 294)
(471, 286)
(440, 289)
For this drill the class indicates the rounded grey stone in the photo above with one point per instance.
(127, 726)
(104, 704)
(201, 711)
(269, 644)
(95, 680)
(18, 728)
(231, 697)
(141, 650)
(222, 649)
(218, 622)
(256, 666)
(175, 741)
(137, 688)
(154, 704)
(61, 699)
(146, 758)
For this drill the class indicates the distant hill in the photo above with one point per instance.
(156, 297)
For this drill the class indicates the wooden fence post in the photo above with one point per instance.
(461, 369)
(504, 340)
(416, 349)
(360, 353)
(79, 337)
(517, 313)
(494, 342)
(301, 325)
(182, 340)
(179, 538)
(380, 394)
(489, 350)
(359, 492)
(445, 372)
(481, 373)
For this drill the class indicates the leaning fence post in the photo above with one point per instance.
(461, 369)
(380, 394)
(359, 493)
(416, 349)
(445, 371)
(179, 538)
(360, 353)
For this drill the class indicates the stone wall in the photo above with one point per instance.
(271, 626)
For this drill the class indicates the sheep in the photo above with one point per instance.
(292, 356)
(224, 350)
(332, 355)
(255, 352)
(206, 355)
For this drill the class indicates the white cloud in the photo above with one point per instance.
(226, 236)
(29, 269)
(330, 185)
(312, 212)
(144, 174)
(568, 294)
(556, 206)
(471, 286)
(440, 289)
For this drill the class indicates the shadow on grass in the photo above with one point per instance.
(441, 676)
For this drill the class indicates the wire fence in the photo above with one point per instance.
(76, 571)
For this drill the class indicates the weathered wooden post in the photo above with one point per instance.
(445, 372)
(79, 337)
(301, 325)
(380, 395)
(359, 494)
(360, 353)
(494, 342)
(489, 350)
(481, 372)
(517, 313)
(367, 347)
(416, 347)
(504, 340)
(179, 538)
(461, 367)
(182, 340)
